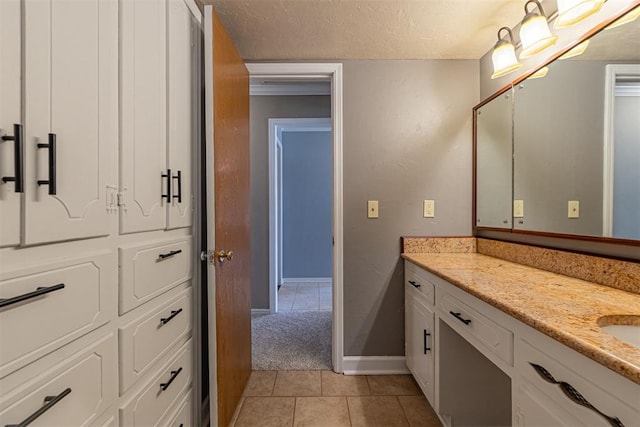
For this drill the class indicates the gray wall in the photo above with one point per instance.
(307, 169)
(558, 131)
(626, 180)
(407, 137)
(261, 109)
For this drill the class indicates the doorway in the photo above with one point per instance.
(309, 73)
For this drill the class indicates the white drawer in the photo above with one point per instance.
(34, 327)
(149, 406)
(416, 280)
(476, 327)
(181, 417)
(149, 337)
(87, 378)
(148, 270)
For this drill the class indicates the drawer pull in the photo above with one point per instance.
(49, 401)
(425, 347)
(174, 313)
(4, 302)
(414, 284)
(51, 182)
(179, 178)
(460, 318)
(18, 158)
(174, 374)
(574, 395)
(168, 188)
(170, 254)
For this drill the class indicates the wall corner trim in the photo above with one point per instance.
(374, 365)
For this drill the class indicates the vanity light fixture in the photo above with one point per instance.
(534, 31)
(629, 17)
(570, 12)
(504, 56)
(540, 73)
(576, 50)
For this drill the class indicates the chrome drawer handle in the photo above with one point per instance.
(49, 401)
(4, 302)
(460, 318)
(574, 394)
(174, 313)
(414, 284)
(174, 374)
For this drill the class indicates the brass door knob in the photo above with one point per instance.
(222, 255)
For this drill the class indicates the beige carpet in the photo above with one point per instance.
(292, 341)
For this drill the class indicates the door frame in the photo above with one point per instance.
(612, 73)
(276, 127)
(330, 72)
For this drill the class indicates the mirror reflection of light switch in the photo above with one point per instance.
(518, 208)
(574, 209)
(372, 209)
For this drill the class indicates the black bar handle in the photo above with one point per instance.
(460, 318)
(51, 182)
(424, 346)
(174, 374)
(18, 158)
(414, 284)
(4, 302)
(49, 401)
(174, 313)
(168, 188)
(574, 395)
(170, 254)
(179, 178)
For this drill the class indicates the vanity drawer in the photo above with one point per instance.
(476, 327)
(83, 386)
(148, 270)
(149, 406)
(181, 417)
(416, 280)
(81, 297)
(149, 337)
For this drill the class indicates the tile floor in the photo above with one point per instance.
(327, 399)
(298, 296)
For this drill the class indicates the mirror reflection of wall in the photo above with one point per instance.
(494, 163)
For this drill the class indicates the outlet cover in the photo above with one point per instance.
(573, 209)
(518, 208)
(429, 209)
(372, 209)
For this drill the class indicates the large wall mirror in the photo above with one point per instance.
(559, 153)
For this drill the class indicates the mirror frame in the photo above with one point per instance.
(624, 249)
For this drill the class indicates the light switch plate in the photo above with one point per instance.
(372, 209)
(429, 209)
(574, 209)
(518, 208)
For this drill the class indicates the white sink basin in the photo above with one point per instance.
(627, 333)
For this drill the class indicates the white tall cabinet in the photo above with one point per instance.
(95, 264)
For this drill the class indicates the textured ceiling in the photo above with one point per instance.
(365, 29)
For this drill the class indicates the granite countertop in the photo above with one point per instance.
(561, 307)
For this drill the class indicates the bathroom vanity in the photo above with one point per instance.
(492, 342)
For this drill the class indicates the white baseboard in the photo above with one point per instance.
(260, 311)
(307, 280)
(374, 365)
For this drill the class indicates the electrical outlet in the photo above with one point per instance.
(518, 208)
(372, 209)
(429, 209)
(574, 209)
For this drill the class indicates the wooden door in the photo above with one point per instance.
(228, 230)
(181, 63)
(70, 77)
(143, 115)
(10, 115)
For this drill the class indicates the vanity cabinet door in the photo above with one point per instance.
(419, 342)
(536, 409)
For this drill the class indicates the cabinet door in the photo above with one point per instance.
(143, 118)
(10, 114)
(70, 77)
(419, 321)
(535, 409)
(182, 76)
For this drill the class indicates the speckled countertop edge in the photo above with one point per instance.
(564, 308)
